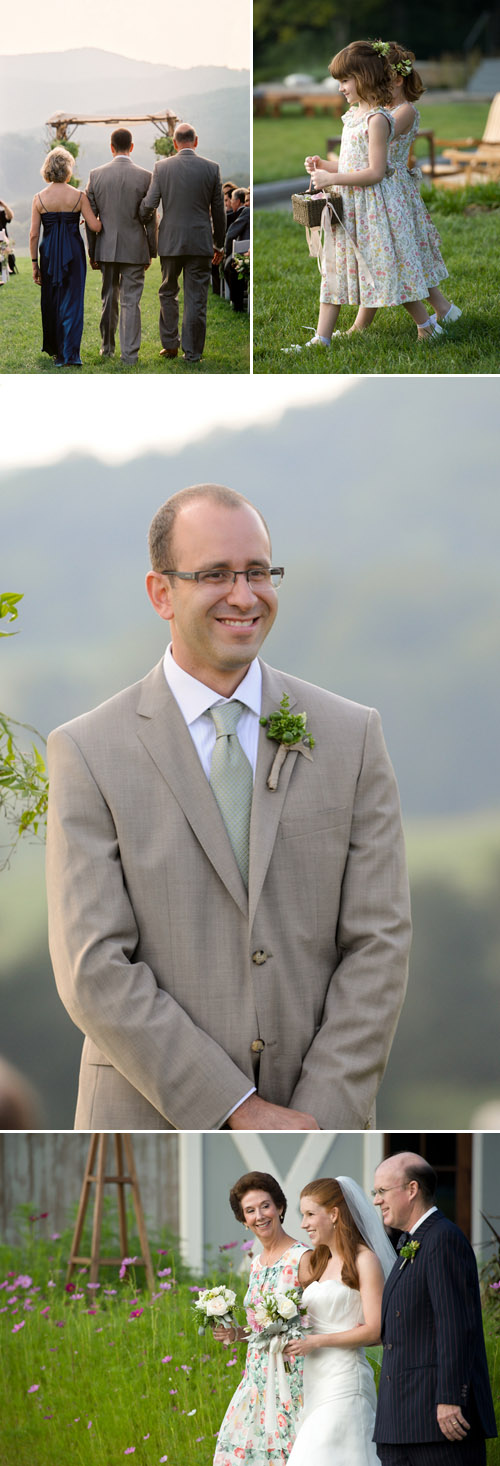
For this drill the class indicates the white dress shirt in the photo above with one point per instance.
(422, 1219)
(195, 699)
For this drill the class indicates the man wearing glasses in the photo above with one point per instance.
(228, 912)
(434, 1400)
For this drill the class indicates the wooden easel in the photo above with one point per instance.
(97, 1175)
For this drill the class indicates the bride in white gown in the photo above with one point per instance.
(346, 1271)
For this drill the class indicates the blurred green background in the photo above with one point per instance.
(383, 505)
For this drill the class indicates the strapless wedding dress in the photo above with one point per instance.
(336, 1424)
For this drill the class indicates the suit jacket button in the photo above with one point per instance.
(388, 1346)
(257, 1046)
(398, 1313)
(259, 957)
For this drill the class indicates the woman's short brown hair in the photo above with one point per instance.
(256, 1181)
(371, 71)
(57, 166)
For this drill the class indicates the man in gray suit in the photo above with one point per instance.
(228, 915)
(124, 249)
(191, 236)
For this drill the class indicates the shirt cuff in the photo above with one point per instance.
(236, 1107)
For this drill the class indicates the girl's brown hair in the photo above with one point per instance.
(413, 85)
(370, 70)
(329, 1194)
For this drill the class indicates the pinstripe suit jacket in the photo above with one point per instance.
(165, 961)
(432, 1332)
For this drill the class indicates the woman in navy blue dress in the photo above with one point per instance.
(62, 266)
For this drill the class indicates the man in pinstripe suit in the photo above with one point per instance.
(435, 1405)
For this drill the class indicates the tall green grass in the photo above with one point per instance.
(100, 1374)
(282, 143)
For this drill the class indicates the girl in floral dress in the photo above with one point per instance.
(407, 88)
(258, 1201)
(374, 259)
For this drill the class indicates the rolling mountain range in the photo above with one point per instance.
(92, 82)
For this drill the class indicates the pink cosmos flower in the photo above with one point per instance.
(127, 1262)
(136, 1313)
(246, 1246)
(23, 1281)
(32, 1389)
(164, 1272)
(226, 1246)
(129, 1451)
(93, 1285)
(18, 1326)
(167, 1359)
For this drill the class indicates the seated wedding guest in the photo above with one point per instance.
(125, 248)
(238, 228)
(62, 268)
(19, 1104)
(7, 261)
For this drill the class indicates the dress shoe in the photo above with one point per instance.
(169, 351)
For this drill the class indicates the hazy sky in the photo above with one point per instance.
(121, 417)
(176, 35)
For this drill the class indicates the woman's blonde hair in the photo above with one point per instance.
(57, 166)
(328, 1194)
(369, 68)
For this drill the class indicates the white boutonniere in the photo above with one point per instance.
(289, 730)
(409, 1251)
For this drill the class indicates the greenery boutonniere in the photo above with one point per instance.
(409, 1250)
(289, 730)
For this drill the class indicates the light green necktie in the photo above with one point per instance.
(231, 779)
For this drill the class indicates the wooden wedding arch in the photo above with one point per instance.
(64, 124)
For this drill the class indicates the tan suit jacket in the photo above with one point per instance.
(165, 962)
(115, 192)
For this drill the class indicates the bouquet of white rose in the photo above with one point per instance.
(216, 1306)
(274, 1320)
(274, 1315)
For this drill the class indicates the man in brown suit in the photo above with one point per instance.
(191, 229)
(124, 249)
(232, 960)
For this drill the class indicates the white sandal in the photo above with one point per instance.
(315, 341)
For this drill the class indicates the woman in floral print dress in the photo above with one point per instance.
(373, 259)
(258, 1201)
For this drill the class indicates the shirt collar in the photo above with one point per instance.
(422, 1219)
(194, 697)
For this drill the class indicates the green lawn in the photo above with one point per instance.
(282, 143)
(226, 348)
(286, 300)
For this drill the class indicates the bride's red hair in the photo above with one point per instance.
(329, 1194)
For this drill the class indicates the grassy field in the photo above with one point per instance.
(281, 143)
(286, 299)
(99, 1374)
(226, 347)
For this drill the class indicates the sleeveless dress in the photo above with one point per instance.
(337, 1422)
(426, 234)
(243, 1436)
(378, 220)
(62, 270)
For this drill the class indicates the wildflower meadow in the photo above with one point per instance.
(98, 1373)
(95, 1373)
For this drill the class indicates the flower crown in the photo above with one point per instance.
(403, 67)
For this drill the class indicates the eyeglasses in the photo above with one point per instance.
(256, 575)
(384, 1190)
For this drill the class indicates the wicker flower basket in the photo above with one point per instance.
(307, 208)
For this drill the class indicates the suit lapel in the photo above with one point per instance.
(267, 804)
(162, 730)
(398, 1270)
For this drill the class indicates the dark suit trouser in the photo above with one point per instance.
(469, 1452)
(236, 285)
(121, 284)
(196, 271)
